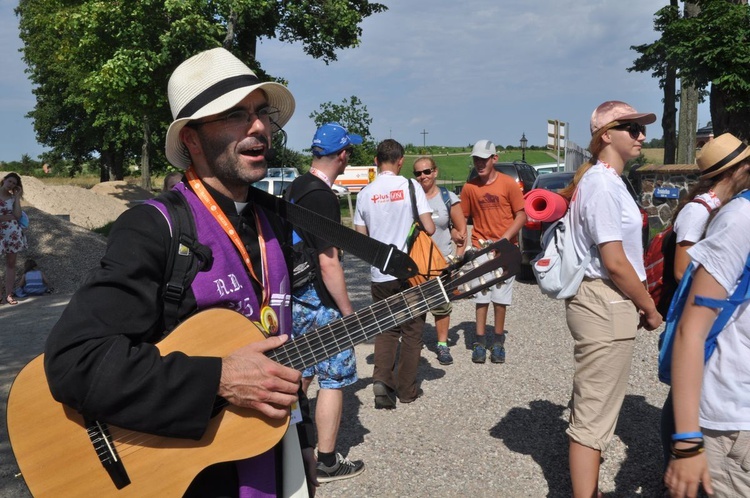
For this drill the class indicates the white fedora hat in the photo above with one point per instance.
(209, 83)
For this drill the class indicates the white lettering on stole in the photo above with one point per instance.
(221, 285)
(280, 300)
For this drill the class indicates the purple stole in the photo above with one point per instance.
(227, 285)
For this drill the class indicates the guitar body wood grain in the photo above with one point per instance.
(57, 458)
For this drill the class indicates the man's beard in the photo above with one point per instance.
(227, 166)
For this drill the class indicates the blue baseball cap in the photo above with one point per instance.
(331, 138)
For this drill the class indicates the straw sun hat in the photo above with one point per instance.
(209, 83)
(720, 154)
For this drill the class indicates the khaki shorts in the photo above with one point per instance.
(728, 461)
(603, 323)
(498, 293)
(444, 309)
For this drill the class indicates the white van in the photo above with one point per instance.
(355, 178)
(543, 169)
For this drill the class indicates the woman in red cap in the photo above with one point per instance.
(612, 301)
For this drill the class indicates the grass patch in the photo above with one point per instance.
(454, 168)
(653, 156)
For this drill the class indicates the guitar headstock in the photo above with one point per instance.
(480, 269)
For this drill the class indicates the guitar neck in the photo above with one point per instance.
(344, 333)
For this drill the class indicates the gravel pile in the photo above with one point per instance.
(479, 430)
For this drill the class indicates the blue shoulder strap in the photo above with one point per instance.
(729, 305)
(447, 201)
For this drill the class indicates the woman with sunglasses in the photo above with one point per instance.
(450, 229)
(612, 301)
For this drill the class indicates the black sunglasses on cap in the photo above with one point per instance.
(633, 129)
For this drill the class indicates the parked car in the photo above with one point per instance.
(287, 173)
(277, 186)
(530, 241)
(339, 190)
(547, 168)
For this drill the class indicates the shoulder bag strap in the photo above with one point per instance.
(385, 257)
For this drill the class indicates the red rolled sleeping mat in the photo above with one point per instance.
(543, 205)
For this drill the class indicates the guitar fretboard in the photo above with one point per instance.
(314, 347)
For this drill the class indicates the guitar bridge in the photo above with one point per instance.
(105, 450)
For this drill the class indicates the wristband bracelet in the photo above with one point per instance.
(687, 435)
(687, 452)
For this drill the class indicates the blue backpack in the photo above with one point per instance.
(727, 307)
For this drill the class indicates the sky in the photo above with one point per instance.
(438, 73)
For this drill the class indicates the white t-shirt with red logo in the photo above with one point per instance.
(384, 207)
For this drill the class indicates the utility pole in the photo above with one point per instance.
(424, 138)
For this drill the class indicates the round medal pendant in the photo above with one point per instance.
(269, 320)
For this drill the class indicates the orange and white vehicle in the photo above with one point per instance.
(355, 178)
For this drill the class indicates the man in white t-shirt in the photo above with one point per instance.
(384, 212)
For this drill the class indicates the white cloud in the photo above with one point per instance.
(460, 71)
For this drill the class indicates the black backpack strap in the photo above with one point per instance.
(186, 255)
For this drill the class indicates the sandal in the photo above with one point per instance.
(10, 299)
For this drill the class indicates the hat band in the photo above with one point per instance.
(215, 91)
(736, 152)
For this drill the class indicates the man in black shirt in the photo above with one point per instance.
(101, 357)
(325, 298)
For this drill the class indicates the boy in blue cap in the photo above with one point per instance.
(325, 298)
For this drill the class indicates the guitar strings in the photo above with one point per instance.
(397, 309)
(392, 311)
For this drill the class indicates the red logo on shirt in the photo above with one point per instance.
(397, 195)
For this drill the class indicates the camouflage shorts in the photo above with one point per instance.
(308, 313)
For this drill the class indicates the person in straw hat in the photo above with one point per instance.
(100, 357)
(612, 301)
(720, 179)
(711, 436)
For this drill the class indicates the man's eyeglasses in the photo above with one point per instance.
(428, 171)
(242, 117)
(633, 129)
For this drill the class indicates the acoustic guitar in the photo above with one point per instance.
(61, 453)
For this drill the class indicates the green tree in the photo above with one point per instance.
(351, 114)
(711, 48)
(654, 58)
(100, 69)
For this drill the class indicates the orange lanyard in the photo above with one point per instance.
(218, 214)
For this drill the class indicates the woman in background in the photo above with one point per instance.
(450, 228)
(12, 239)
(715, 187)
(612, 301)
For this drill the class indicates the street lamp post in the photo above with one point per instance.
(523, 146)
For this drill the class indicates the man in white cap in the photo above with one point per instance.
(101, 358)
(322, 296)
(495, 204)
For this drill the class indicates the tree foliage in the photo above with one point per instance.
(351, 114)
(100, 69)
(710, 48)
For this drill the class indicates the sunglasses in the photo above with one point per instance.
(633, 129)
(427, 171)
